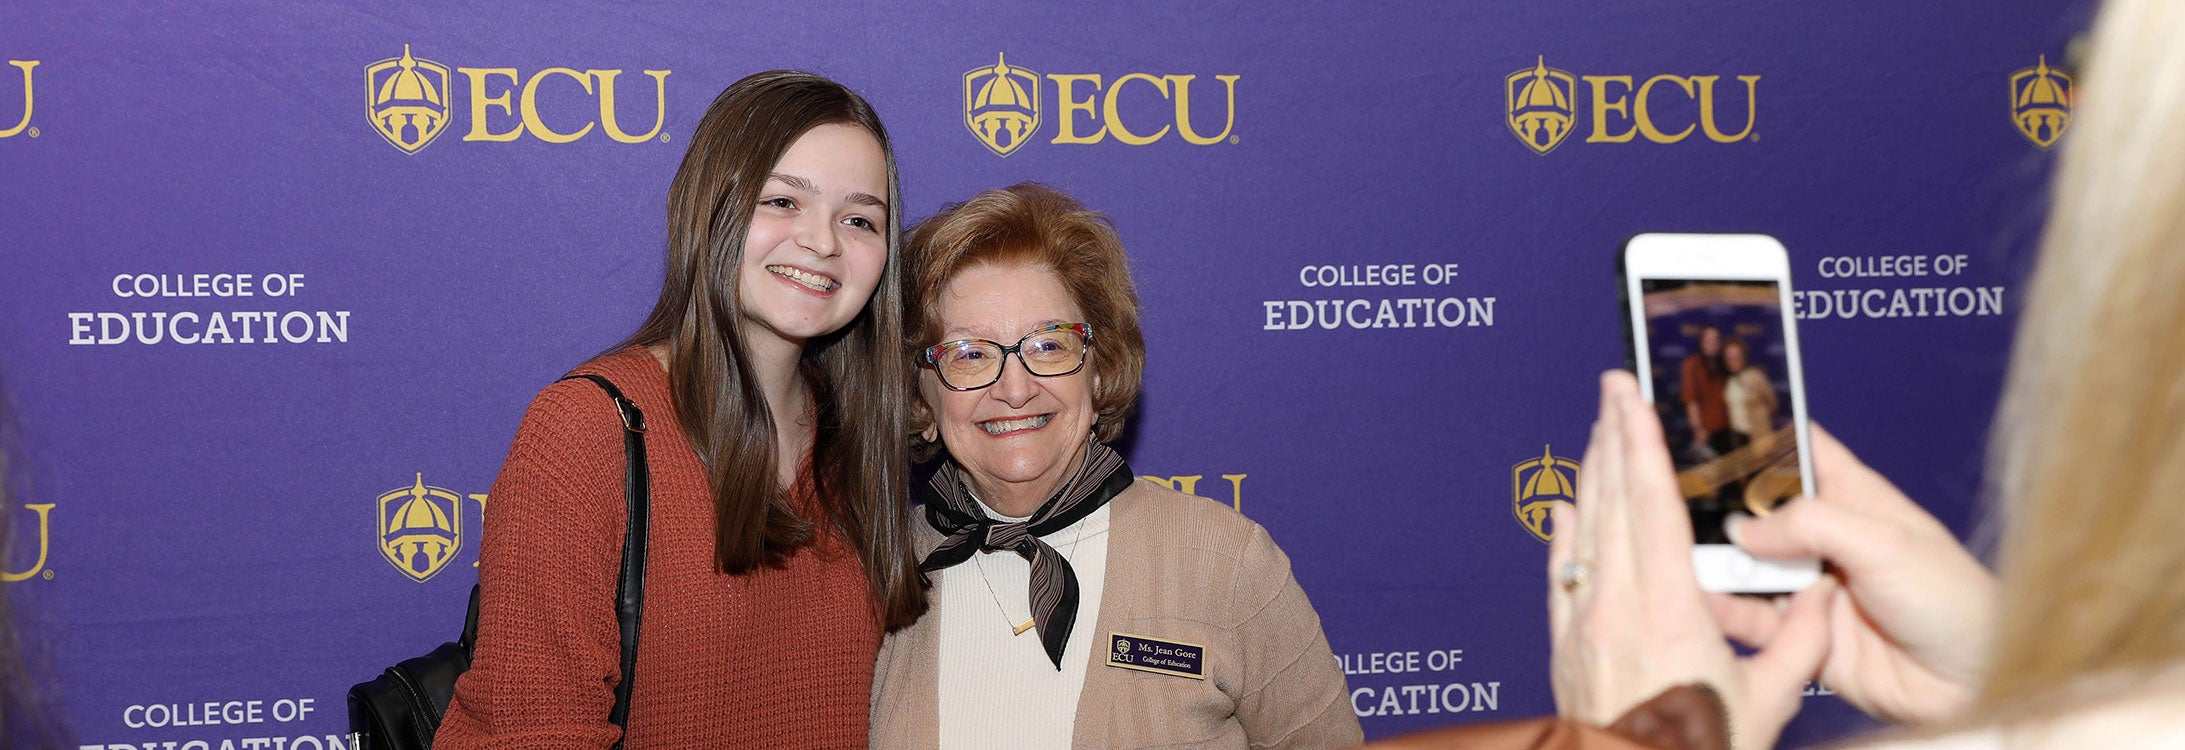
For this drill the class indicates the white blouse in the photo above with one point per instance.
(999, 689)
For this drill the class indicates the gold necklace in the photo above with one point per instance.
(1019, 628)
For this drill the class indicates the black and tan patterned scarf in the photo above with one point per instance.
(1101, 475)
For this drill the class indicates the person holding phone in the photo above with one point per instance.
(2078, 644)
(774, 401)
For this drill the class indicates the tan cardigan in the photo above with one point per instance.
(1183, 569)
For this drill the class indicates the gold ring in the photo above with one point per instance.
(1575, 574)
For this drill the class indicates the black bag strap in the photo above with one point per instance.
(630, 583)
(469, 641)
(630, 586)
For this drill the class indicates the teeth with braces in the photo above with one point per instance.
(1011, 425)
(813, 281)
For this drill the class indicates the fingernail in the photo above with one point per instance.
(1734, 527)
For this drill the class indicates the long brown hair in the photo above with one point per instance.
(859, 457)
(2091, 450)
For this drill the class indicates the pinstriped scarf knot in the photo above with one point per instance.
(950, 509)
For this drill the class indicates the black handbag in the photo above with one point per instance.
(401, 709)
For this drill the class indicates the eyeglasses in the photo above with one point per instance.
(971, 364)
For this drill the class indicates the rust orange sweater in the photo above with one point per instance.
(773, 658)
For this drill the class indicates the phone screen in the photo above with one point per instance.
(1720, 373)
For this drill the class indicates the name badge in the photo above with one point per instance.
(1157, 656)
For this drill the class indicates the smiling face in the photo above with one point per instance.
(818, 239)
(1016, 439)
(1733, 357)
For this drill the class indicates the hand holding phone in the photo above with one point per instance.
(1626, 609)
(1927, 608)
(1715, 347)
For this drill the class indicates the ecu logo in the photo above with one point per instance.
(407, 100)
(1537, 485)
(2041, 103)
(1001, 105)
(420, 529)
(1539, 102)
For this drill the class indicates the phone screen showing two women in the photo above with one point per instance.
(1718, 361)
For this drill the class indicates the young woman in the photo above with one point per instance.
(773, 396)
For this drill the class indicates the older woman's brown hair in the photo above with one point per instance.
(1035, 225)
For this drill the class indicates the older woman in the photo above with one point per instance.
(1072, 603)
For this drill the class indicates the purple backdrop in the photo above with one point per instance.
(1369, 296)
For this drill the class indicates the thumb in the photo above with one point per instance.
(1808, 528)
(1801, 639)
(1795, 654)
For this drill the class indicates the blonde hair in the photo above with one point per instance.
(2090, 465)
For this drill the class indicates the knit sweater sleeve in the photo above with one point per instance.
(1294, 694)
(548, 643)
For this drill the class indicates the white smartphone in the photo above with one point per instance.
(1715, 348)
